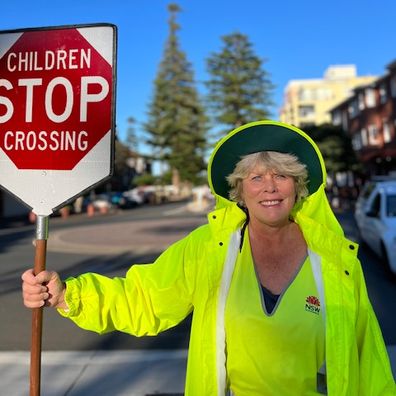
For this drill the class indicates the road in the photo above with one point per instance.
(17, 254)
(156, 225)
(381, 285)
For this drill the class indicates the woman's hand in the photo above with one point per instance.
(43, 289)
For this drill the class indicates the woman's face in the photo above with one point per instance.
(268, 196)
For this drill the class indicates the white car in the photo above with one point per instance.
(375, 215)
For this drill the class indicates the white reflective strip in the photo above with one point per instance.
(229, 265)
(317, 273)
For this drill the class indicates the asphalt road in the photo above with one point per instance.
(17, 254)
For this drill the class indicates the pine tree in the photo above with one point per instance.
(176, 121)
(336, 148)
(239, 89)
(131, 138)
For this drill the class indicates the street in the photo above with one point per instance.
(17, 254)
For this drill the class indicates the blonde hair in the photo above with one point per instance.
(286, 164)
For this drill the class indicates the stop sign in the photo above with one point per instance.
(56, 111)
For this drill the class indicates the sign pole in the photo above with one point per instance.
(37, 314)
(57, 131)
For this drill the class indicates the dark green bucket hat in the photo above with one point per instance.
(264, 136)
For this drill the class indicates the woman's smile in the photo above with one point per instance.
(269, 196)
(270, 203)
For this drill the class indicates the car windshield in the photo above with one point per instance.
(391, 205)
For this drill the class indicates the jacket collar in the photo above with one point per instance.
(228, 216)
(316, 219)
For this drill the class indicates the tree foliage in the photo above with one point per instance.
(239, 88)
(176, 122)
(121, 172)
(131, 137)
(336, 148)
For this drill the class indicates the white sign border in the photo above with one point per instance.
(47, 190)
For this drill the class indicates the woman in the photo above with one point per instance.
(279, 300)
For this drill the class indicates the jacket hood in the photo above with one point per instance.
(273, 136)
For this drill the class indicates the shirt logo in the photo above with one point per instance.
(312, 304)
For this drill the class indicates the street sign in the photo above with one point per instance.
(57, 90)
(57, 100)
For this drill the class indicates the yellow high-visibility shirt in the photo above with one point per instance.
(279, 353)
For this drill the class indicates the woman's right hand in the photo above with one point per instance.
(43, 289)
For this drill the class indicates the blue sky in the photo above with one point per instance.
(299, 39)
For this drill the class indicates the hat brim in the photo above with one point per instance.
(264, 136)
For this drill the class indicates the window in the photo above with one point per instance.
(386, 129)
(361, 100)
(363, 136)
(393, 86)
(324, 94)
(376, 205)
(336, 117)
(306, 94)
(357, 142)
(306, 124)
(373, 135)
(370, 97)
(383, 93)
(306, 110)
(391, 205)
(344, 121)
(353, 108)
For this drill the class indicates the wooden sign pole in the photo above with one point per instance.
(37, 314)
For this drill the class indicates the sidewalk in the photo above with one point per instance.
(104, 373)
(97, 373)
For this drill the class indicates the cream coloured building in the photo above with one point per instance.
(307, 102)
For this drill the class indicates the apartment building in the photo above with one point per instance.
(369, 117)
(307, 102)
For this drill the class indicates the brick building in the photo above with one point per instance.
(369, 117)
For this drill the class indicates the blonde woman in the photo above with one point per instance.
(278, 296)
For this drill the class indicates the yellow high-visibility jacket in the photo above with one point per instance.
(192, 275)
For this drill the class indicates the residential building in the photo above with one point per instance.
(307, 102)
(369, 117)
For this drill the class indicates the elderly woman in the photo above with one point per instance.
(279, 300)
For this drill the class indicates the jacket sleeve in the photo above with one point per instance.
(375, 375)
(150, 299)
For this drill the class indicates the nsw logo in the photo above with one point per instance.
(312, 304)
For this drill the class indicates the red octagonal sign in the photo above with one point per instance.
(55, 99)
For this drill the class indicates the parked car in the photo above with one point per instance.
(375, 215)
(123, 200)
(135, 196)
